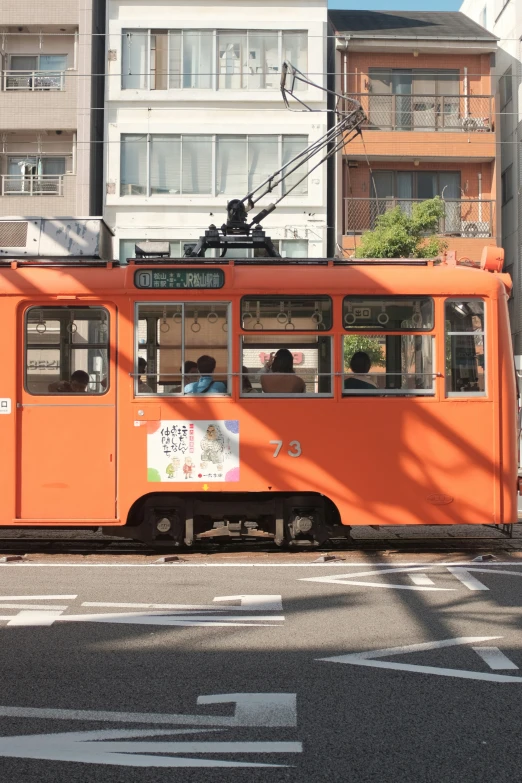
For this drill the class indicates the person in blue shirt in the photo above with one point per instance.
(206, 384)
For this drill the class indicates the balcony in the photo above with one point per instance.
(37, 185)
(450, 113)
(29, 81)
(467, 218)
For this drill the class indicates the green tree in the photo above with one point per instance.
(370, 345)
(401, 235)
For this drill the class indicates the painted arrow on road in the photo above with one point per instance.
(491, 655)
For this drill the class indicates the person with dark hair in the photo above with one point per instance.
(77, 385)
(246, 383)
(281, 378)
(360, 364)
(206, 384)
(143, 386)
(190, 367)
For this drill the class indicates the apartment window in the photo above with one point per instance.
(484, 17)
(36, 72)
(507, 184)
(506, 88)
(38, 62)
(34, 176)
(209, 59)
(171, 165)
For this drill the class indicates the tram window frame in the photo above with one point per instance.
(295, 347)
(448, 333)
(390, 391)
(74, 346)
(285, 298)
(384, 325)
(136, 375)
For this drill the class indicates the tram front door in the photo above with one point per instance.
(67, 415)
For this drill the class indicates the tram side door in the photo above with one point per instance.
(67, 414)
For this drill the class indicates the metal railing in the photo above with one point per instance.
(462, 217)
(33, 80)
(36, 185)
(466, 113)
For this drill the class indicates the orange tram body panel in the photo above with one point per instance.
(100, 424)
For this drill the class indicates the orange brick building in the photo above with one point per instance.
(424, 81)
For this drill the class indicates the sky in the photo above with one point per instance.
(396, 5)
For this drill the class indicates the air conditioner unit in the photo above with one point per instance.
(66, 237)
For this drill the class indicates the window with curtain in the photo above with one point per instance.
(188, 59)
(165, 164)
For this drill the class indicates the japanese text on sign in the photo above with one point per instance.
(179, 278)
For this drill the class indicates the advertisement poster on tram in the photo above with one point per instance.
(194, 451)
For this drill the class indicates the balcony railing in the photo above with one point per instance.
(462, 218)
(37, 185)
(465, 113)
(33, 80)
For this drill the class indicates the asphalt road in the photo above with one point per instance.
(135, 672)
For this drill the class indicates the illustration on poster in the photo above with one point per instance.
(194, 451)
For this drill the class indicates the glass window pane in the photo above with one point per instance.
(232, 61)
(67, 350)
(389, 315)
(53, 62)
(388, 364)
(206, 335)
(262, 159)
(264, 66)
(133, 165)
(197, 164)
(134, 45)
(292, 145)
(286, 364)
(294, 248)
(159, 59)
(165, 162)
(197, 58)
(465, 347)
(174, 59)
(54, 166)
(23, 62)
(231, 175)
(295, 50)
(313, 313)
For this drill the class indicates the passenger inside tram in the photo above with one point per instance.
(77, 385)
(206, 384)
(279, 376)
(143, 386)
(360, 364)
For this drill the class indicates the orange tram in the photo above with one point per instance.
(105, 419)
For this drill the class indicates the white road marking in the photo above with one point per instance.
(266, 603)
(15, 566)
(355, 579)
(495, 658)
(36, 598)
(114, 747)
(369, 657)
(251, 709)
(463, 575)
(34, 606)
(159, 618)
(421, 579)
(33, 619)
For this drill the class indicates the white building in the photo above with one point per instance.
(195, 117)
(504, 19)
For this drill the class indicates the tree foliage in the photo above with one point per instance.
(370, 345)
(401, 235)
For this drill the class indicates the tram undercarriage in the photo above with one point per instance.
(303, 520)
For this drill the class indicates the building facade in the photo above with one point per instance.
(503, 18)
(195, 117)
(51, 93)
(424, 81)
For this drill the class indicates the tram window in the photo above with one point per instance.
(389, 314)
(391, 365)
(295, 314)
(465, 347)
(67, 350)
(312, 365)
(171, 337)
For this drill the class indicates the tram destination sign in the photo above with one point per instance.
(179, 278)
